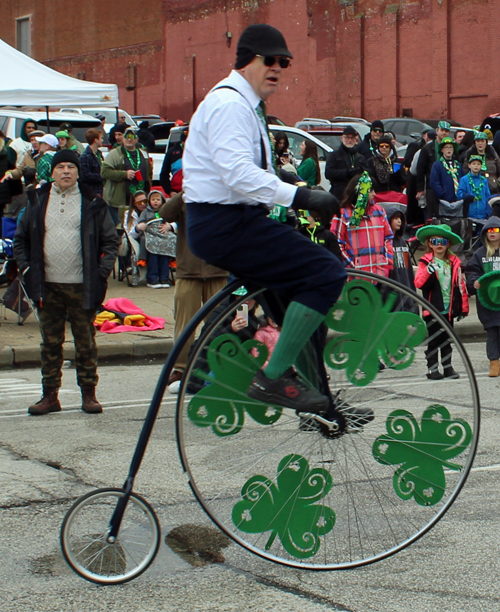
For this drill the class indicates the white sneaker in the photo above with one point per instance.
(166, 285)
(155, 286)
(174, 387)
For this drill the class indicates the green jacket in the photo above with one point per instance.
(44, 167)
(114, 173)
(307, 172)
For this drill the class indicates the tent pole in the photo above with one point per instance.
(48, 120)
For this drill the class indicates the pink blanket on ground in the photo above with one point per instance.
(128, 307)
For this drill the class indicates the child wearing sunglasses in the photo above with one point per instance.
(487, 259)
(440, 278)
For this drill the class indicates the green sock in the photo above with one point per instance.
(299, 324)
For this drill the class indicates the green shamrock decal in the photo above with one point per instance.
(222, 404)
(287, 509)
(369, 333)
(422, 451)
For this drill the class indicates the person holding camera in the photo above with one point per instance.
(126, 169)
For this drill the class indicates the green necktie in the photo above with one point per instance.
(262, 114)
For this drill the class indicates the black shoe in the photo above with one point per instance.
(449, 372)
(288, 391)
(434, 375)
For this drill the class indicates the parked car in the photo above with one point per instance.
(350, 120)
(434, 122)
(295, 137)
(12, 120)
(405, 129)
(324, 125)
(152, 119)
(161, 132)
(272, 119)
(109, 113)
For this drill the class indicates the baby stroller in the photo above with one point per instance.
(15, 297)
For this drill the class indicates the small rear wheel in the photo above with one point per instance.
(85, 544)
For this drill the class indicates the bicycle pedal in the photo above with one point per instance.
(308, 424)
(316, 422)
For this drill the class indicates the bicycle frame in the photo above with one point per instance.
(155, 405)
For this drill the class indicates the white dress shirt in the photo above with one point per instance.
(222, 157)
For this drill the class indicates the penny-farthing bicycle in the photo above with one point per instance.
(319, 493)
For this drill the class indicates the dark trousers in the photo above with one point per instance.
(65, 300)
(260, 250)
(438, 340)
(493, 343)
(158, 268)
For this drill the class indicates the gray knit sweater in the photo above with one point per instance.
(62, 246)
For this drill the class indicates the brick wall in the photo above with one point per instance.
(369, 58)
(97, 41)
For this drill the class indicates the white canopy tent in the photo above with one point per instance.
(26, 82)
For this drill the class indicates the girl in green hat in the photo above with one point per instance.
(440, 277)
(486, 261)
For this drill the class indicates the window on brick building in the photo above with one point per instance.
(23, 35)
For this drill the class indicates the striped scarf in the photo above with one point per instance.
(452, 168)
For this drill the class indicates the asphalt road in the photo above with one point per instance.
(45, 463)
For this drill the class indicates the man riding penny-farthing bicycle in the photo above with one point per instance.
(322, 459)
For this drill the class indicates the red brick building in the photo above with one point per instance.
(371, 58)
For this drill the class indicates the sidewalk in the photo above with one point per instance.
(20, 344)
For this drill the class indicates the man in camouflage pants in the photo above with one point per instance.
(65, 246)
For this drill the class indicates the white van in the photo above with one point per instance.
(109, 113)
(11, 122)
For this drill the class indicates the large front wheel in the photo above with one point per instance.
(292, 491)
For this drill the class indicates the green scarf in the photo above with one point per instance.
(363, 189)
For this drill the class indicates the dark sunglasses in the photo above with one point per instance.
(493, 230)
(378, 131)
(270, 60)
(439, 241)
(144, 201)
(384, 145)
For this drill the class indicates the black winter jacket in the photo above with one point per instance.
(99, 245)
(478, 265)
(341, 166)
(90, 170)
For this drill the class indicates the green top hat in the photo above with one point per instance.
(489, 291)
(448, 141)
(443, 230)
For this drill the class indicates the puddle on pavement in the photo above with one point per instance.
(198, 544)
(187, 545)
(48, 565)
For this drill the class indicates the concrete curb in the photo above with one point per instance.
(23, 356)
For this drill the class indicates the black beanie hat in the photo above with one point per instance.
(66, 155)
(260, 39)
(386, 140)
(377, 124)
